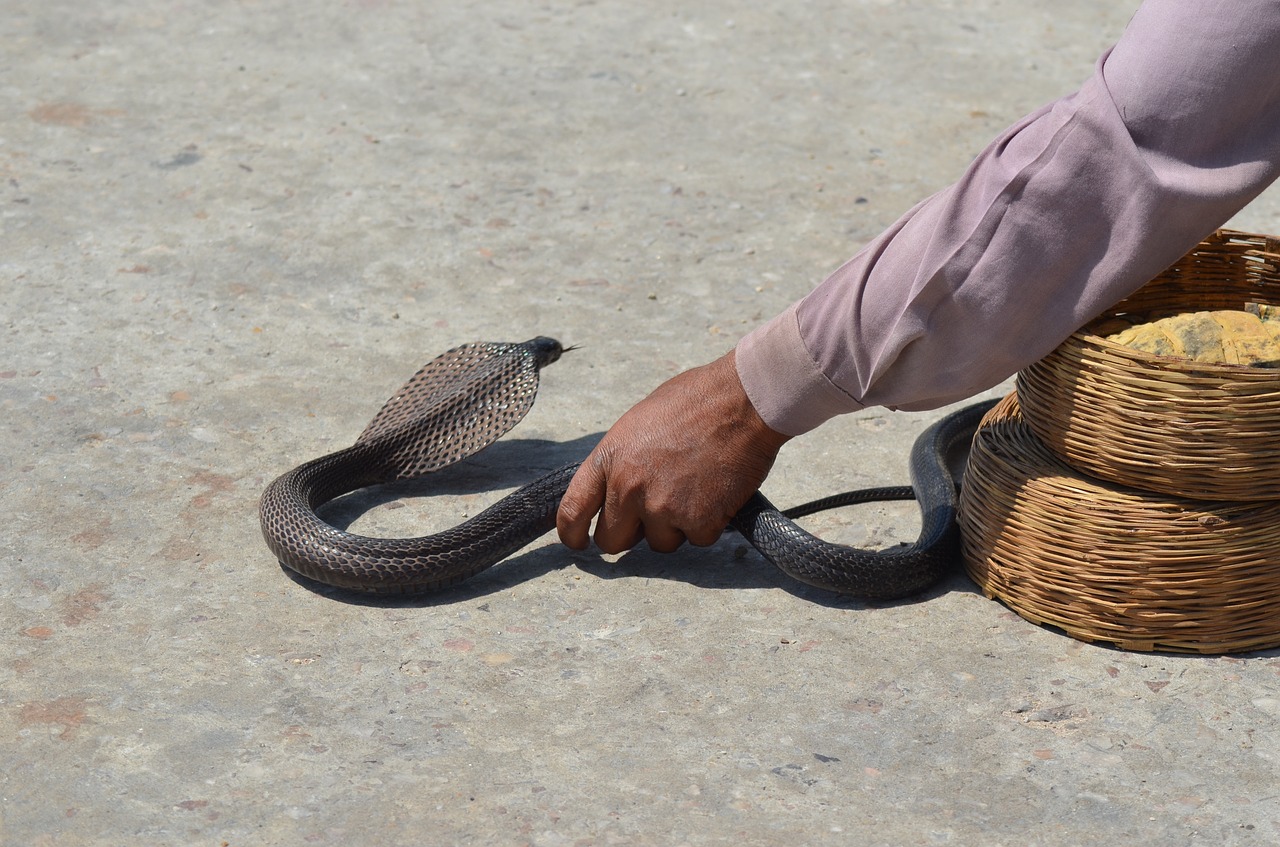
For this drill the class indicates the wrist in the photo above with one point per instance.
(746, 413)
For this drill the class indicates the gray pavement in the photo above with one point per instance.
(231, 229)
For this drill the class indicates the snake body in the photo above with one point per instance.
(469, 397)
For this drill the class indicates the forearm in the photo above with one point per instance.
(1064, 214)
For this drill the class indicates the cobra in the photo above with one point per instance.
(469, 397)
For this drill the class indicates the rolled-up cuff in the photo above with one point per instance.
(783, 382)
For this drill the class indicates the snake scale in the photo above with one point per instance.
(469, 397)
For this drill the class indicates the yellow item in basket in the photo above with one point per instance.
(1228, 336)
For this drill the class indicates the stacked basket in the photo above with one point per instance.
(1135, 499)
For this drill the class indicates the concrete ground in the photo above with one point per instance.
(231, 229)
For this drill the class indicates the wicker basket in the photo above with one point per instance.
(1113, 564)
(1191, 429)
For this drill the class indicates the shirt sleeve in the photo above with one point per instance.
(1064, 214)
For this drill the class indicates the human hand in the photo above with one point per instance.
(676, 467)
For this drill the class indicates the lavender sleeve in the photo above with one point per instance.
(1067, 212)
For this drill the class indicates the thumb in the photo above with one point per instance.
(582, 501)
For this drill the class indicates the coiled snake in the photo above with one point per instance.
(469, 397)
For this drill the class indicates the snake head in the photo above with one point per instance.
(545, 350)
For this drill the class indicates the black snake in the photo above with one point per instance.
(467, 398)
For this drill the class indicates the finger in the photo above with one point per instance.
(619, 526)
(706, 534)
(711, 523)
(663, 539)
(614, 536)
(582, 500)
